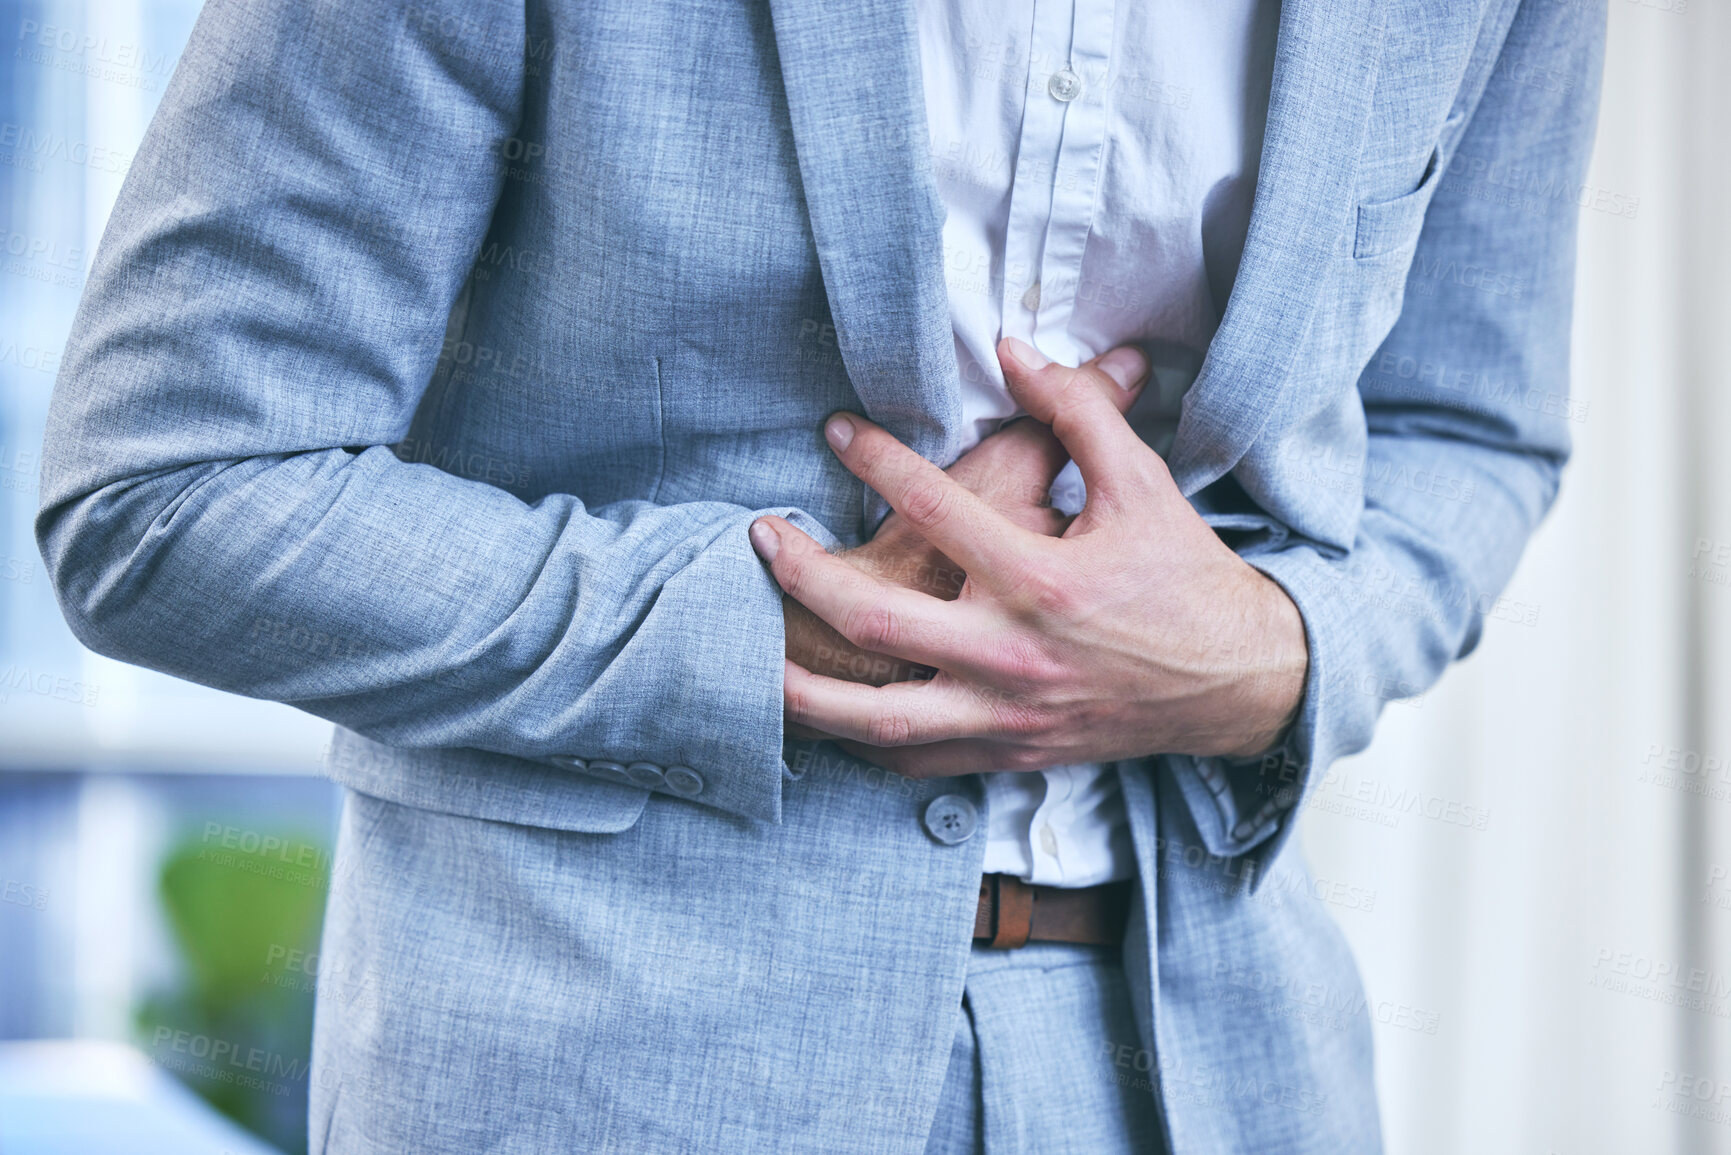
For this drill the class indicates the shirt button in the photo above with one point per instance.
(1048, 840)
(1031, 298)
(1064, 85)
(684, 780)
(951, 819)
(646, 774)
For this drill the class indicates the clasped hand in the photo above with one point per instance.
(982, 630)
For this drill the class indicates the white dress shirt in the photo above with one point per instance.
(1097, 162)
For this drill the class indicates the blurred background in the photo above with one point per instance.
(1533, 862)
(163, 848)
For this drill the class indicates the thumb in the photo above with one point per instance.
(1085, 407)
(1118, 374)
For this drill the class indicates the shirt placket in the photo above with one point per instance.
(1056, 172)
(1048, 829)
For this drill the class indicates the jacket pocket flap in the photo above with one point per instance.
(476, 784)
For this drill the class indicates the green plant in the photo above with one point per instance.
(245, 910)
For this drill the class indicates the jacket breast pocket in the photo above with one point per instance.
(1390, 226)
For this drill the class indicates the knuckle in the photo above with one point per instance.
(1155, 471)
(890, 729)
(926, 502)
(791, 568)
(1069, 421)
(865, 453)
(1081, 390)
(1019, 719)
(796, 705)
(1046, 591)
(872, 627)
(1023, 663)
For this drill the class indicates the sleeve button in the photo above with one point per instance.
(646, 774)
(684, 780)
(611, 770)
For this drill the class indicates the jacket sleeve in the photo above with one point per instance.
(1470, 391)
(262, 318)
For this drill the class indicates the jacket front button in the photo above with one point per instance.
(951, 819)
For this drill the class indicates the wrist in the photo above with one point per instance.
(1269, 686)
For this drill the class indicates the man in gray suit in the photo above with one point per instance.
(455, 373)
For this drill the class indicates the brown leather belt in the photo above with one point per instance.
(1013, 912)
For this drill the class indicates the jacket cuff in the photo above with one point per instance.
(724, 686)
(1249, 805)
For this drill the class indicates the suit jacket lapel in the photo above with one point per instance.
(1324, 71)
(851, 70)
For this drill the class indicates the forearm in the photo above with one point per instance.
(424, 610)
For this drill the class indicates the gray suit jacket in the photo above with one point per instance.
(436, 359)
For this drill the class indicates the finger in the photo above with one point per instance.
(900, 714)
(897, 554)
(936, 759)
(814, 644)
(1012, 471)
(1078, 405)
(1019, 463)
(941, 509)
(868, 611)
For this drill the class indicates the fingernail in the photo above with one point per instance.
(1025, 354)
(1125, 365)
(765, 540)
(838, 430)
